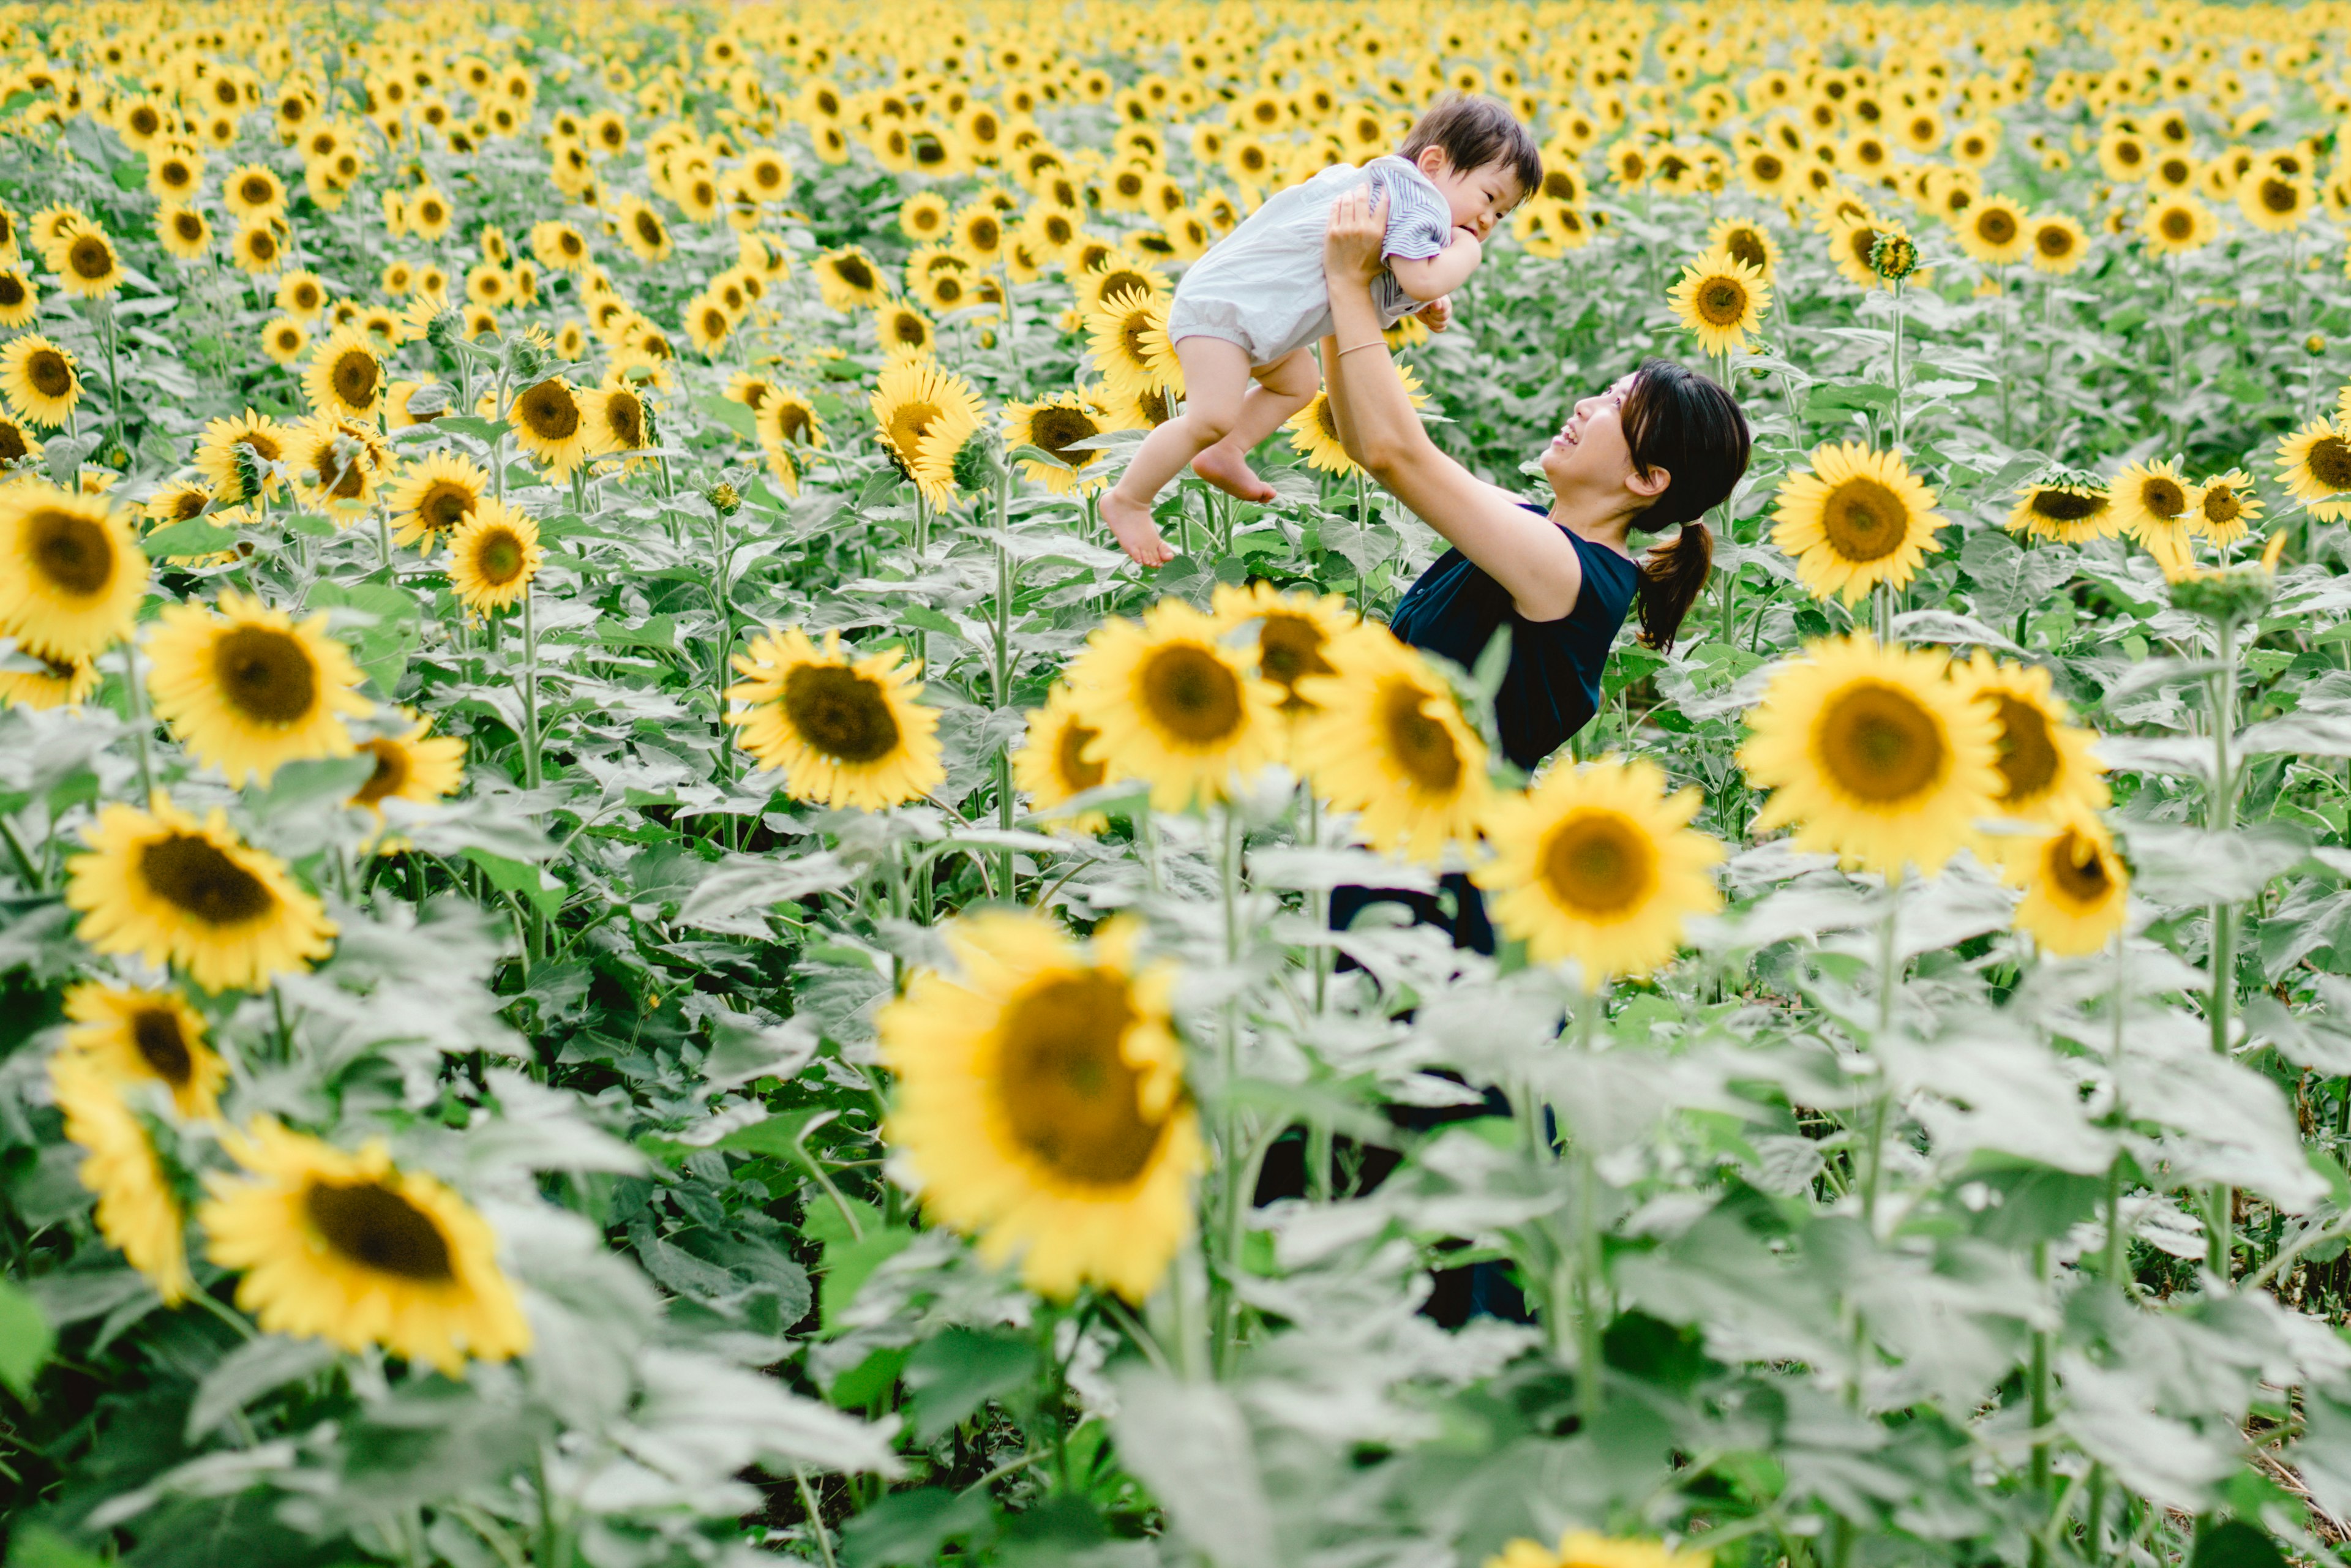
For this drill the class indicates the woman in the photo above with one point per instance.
(1659, 448)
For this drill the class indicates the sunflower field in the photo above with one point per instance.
(625, 941)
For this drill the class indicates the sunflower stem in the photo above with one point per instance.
(529, 691)
(136, 700)
(2220, 818)
(1888, 979)
(1590, 1287)
(104, 310)
(815, 1517)
(2117, 1251)
(26, 868)
(1236, 1165)
(1897, 364)
(2171, 414)
(2039, 1370)
(2000, 315)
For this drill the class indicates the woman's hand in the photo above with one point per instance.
(1351, 245)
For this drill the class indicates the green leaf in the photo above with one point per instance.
(730, 414)
(908, 1528)
(25, 1342)
(473, 425)
(384, 648)
(2233, 1543)
(39, 1546)
(849, 1260)
(923, 617)
(775, 1137)
(195, 537)
(312, 526)
(1833, 397)
(865, 1385)
(514, 877)
(961, 1370)
(129, 174)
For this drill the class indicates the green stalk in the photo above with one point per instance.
(1235, 1168)
(1897, 364)
(2040, 1411)
(1006, 582)
(2222, 818)
(2117, 1250)
(1888, 980)
(529, 690)
(136, 699)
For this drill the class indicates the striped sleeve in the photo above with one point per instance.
(1419, 223)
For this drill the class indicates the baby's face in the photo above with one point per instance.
(1480, 197)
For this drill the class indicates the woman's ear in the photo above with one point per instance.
(1647, 485)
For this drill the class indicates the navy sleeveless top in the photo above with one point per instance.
(1552, 688)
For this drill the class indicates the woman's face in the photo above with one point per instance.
(1589, 452)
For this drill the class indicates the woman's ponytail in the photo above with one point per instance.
(1677, 420)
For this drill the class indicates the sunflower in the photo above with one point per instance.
(1855, 519)
(549, 425)
(282, 339)
(352, 1249)
(616, 419)
(251, 190)
(435, 497)
(59, 683)
(71, 572)
(184, 233)
(2275, 201)
(89, 265)
(926, 415)
(904, 331)
(138, 1209)
(346, 377)
(1041, 1102)
(159, 885)
(139, 1036)
(250, 441)
(1587, 1549)
(1101, 281)
(334, 465)
(1127, 340)
(923, 217)
(2048, 772)
(1174, 705)
(2154, 504)
(2315, 465)
(1721, 299)
(256, 246)
(2067, 513)
(560, 246)
(2058, 244)
(39, 379)
(1387, 740)
(848, 278)
(2226, 506)
(1873, 754)
(786, 417)
(1992, 230)
(1293, 632)
(1054, 424)
(249, 690)
(1743, 240)
(411, 765)
(1050, 765)
(494, 557)
(2177, 224)
(845, 731)
(20, 301)
(2076, 889)
(18, 444)
(1599, 864)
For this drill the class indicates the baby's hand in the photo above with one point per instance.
(1437, 313)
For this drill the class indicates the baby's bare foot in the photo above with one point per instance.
(1227, 467)
(1130, 523)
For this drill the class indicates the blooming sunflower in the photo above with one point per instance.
(1873, 754)
(335, 466)
(20, 299)
(926, 415)
(17, 443)
(2077, 889)
(184, 233)
(1041, 1102)
(786, 417)
(40, 380)
(263, 443)
(902, 331)
(1293, 632)
(1720, 299)
(59, 683)
(494, 557)
(1126, 338)
(845, 730)
(351, 1248)
(2177, 225)
(550, 425)
(282, 339)
(71, 571)
(411, 765)
(1050, 765)
(1172, 706)
(249, 690)
(1586, 1549)
(435, 497)
(346, 377)
(87, 265)
(1992, 230)
(2058, 242)
(2315, 465)
(2274, 201)
(1386, 740)
(137, 1207)
(159, 885)
(2067, 513)
(1743, 240)
(2154, 504)
(616, 418)
(147, 1036)
(848, 279)
(1856, 518)
(1055, 424)
(2048, 772)
(2226, 506)
(1599, 864)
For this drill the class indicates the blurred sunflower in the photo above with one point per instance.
(1041, 1102)
(904, 331)
(1053, 425)
(39, 379)
(923, 217)
(59, 683)
(1854, 519)
(434, 498)
(87, 265)
(785, 417)
(249, 689)
(1127, 340)
(494, 557)
(2315, 465)
(2154, 505)
(1720, 299)
(1873, 754)
(139, 1210)
(1992, 230)
(1598, 863)
(352, 1249)
(20, 301)
(2048, 772)
(2058, 242)
(144, 1036)
(1051, 766)
(1174, 705)
(346, 376)
(335, 466)
(253, 191)
(924, 415)
(1744, 240)
(184, 233)
(71, 572)
(848, 279)
(282, 339)
(844, 731)
(1387, 740)
(412, 764)
(159, 885)
(616, 418)
(2275, 201)
(2226, 506)
(230, 449)
(2177, 224)
(2067, 513)
(1293, 632)
(2076, 889)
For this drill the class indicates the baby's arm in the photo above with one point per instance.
(1433, 277)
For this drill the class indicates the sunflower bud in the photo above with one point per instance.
(2225, 598)
(1894, 257)
(2315, 345)
(248, 469)
(445, 330)
(974, 466)
(725, 499)
(526, 360)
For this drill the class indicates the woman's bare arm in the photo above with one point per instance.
(1529, 555)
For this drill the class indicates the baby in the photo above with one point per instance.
(1248, 310)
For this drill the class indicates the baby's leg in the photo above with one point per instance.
(1282, 389)
(1216, 383)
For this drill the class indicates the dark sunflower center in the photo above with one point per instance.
(1864, 520)
(255, 191)
(1722, 302)
(1191, 694)
(12, 290)
(792, 422)
(187, 504)
(1131, 330)
(1768, 168)
(155, 1031)
(1070, 758)
(260, 244)
(355, 377)
(378, 1229)
(1878, 744)
(947, 290)
(2221, 503)
(1068, 1094)
(853, 271)
(2164, 497)
(2054, 241)
(550, 412)
(390, 771)
(2175, 223)
(2026, 753)
(840, 713)
(189, 226)
(1416, 743)
(2280, 196)
(266, 675)
(2330, 462)
(983, 234)
(649, 228)
(1996, 226)
(48, 370)
(911, 331)
(445, 505)
(193, 876)
(264, 448)
(2077, 870)
(1289, 649)
(12, 442)
(498, 556)
(1597, 864)
(74, 554)
(1746, 248)
(2066, 505)
(624, 416)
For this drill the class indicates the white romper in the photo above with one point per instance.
(1261, 285)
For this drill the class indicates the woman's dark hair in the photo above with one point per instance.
(1677, 420)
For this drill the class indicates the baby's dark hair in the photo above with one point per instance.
(1475, 132)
